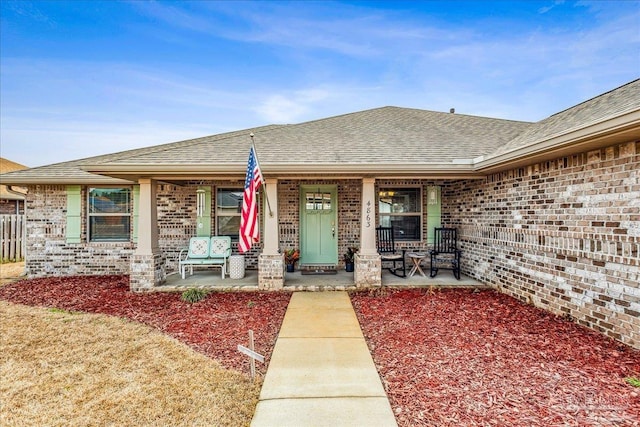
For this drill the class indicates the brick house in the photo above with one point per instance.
(548, 212)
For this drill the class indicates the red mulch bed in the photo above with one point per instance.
(465, 358)
(214, 326)
(447, 358)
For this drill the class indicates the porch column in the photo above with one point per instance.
(147, 263)
(271, 261)
(368, 270)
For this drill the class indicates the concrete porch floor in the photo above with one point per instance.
(296, 281)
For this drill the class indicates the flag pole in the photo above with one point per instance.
(264, 184)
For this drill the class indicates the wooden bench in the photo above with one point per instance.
(205, 252)
(445, 254)
(388, 252)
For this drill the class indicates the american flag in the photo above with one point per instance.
(249, 228)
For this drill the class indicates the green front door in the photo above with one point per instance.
(318, 224)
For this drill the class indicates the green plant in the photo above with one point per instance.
(349, 256)
(634, 381)
(291, 256)
(194, 295)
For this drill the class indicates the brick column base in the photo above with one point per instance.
(270, 272)
(368, 271)
(146, 272)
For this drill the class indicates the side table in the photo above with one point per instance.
(416, 258)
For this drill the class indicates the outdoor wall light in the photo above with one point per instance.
(432, 197)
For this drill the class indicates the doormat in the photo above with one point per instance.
(318, 271)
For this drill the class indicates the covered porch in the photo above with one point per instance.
(352, 207)
(296, 281)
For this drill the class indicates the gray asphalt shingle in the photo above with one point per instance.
(609, 105)
(381, 136)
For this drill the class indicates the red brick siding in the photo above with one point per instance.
(11, 207)
(563, 235)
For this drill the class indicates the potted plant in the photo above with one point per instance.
(349, 257)
(290, 258)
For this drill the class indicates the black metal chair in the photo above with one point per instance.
(445, 254)
(388, 252)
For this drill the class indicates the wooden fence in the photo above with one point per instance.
(12, 235)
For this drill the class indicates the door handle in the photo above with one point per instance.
(333, 232)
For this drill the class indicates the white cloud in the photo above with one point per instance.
(352, 30)
(291, 107)
(280, 109)
(546, 9)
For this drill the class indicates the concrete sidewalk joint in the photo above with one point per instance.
(321, 371)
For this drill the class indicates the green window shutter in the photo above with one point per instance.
(74, 213)
(204, 222)
(434, 211)
(136, 212)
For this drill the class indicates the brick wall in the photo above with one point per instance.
(563, 235)
(48, 253)
(177, 219)
(349, 209)
(11, 207)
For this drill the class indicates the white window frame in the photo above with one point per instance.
(90, 215)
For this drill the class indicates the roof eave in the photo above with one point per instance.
(98, 180)
(621, 129)
(11, 196)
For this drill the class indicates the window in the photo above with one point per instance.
(402, 210)
(318, 201)
(109, 214)
(228, 211)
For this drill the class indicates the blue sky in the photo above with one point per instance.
(83, 78)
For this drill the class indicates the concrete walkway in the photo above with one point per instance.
(321, 372)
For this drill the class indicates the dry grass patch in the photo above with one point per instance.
(61, 368)
(11, 271)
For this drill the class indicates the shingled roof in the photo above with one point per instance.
(609, 105)
(384, 140)
(72, 172)
(389, 140)
(17, 193)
